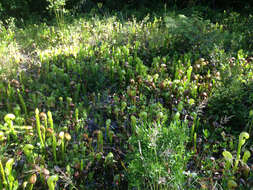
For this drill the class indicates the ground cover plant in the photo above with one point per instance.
(153, 100)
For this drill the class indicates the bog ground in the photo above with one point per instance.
(130, 99)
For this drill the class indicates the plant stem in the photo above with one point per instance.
(22, 102)
(51, 125)
(38, 127)
(3, 175)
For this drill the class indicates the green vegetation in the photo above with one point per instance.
(131, 99)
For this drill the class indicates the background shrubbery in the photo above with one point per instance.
(24, 8)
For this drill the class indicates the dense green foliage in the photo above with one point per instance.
(22, 9)
(125, 100)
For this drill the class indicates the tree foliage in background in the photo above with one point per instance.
(22, 9)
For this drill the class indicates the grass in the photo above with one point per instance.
(114, 102)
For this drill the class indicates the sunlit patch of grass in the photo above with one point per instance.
(10, 54)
